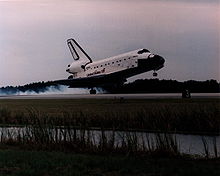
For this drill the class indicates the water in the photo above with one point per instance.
(187, 144)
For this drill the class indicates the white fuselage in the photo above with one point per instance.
(107, 66)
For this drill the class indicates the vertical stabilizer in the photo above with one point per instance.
(77, 52)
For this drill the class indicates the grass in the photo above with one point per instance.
(68, 125)
(49, 138)
(179, 115)
(38, 163)
(56, 131)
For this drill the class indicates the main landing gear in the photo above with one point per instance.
(92, 91)
(154, 74)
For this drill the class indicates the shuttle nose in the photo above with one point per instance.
(155, 61)
(160, 60)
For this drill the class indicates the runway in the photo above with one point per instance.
(110, 96)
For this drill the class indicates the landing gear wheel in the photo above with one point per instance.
(154, 74)
(92, 91)
(70, 77)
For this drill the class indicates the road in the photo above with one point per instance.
(109, 96)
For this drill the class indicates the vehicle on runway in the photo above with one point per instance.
(108, 73)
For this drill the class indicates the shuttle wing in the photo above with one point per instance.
(90, 82)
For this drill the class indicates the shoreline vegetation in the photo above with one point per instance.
(67, 125)
(138, 86)
(55, 136)
(188, 116)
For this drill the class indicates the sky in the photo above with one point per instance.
(33, 36)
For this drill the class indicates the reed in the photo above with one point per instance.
(215, 147)
(210, 146)
(39, 136)
(193, 118)
(44, 135)
(72, 127)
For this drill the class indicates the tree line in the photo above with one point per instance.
(169, 86)
(138, 86)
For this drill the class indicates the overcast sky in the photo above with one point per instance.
(33, 36)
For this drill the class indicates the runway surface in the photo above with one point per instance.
(110, 96)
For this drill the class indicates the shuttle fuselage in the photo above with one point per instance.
(113, 70)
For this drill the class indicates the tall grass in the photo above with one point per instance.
(208, 145)
(74, 129)
(88, 141)
(185, 118)
(43, 133)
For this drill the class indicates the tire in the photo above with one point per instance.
(92, 91)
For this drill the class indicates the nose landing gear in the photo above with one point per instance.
(92, 91)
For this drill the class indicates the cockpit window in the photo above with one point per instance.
(143, 51)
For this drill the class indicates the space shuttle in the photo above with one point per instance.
(110, 72)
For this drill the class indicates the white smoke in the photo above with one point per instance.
(51, 90)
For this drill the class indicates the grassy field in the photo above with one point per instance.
(179, 115)
(51, 139)
(99, 105)
(40, 163)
